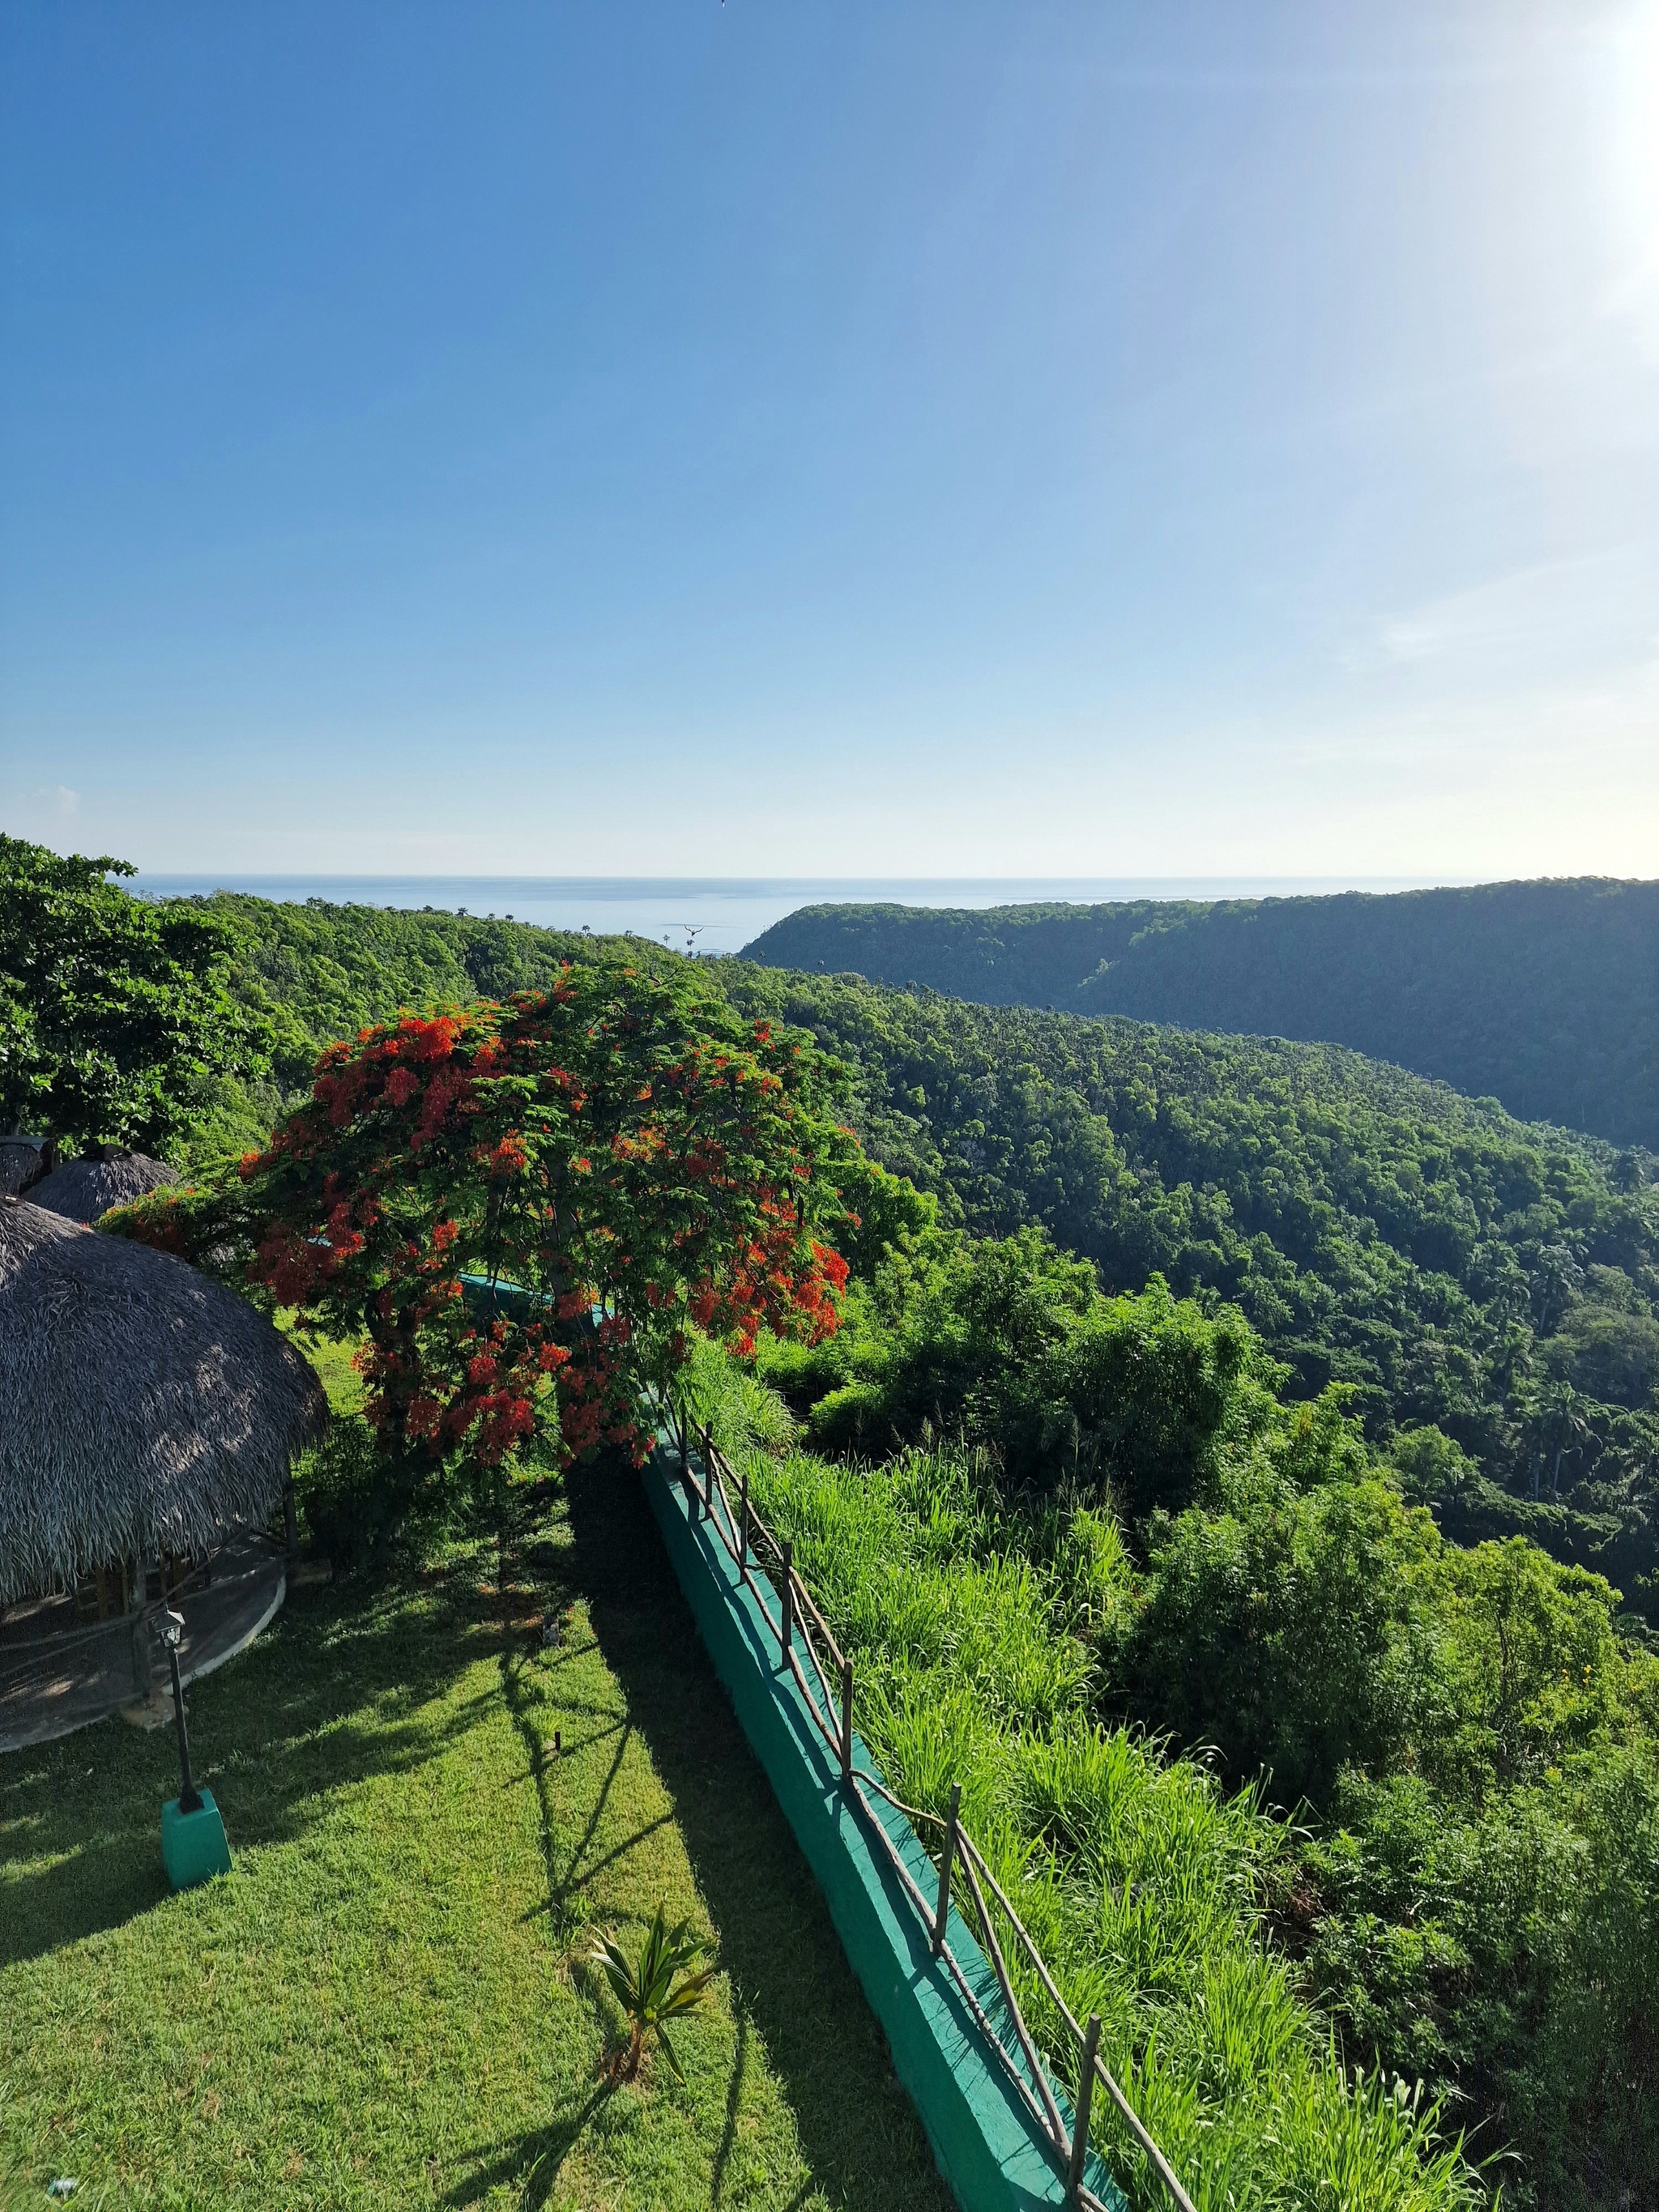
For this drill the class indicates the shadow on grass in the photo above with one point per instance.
(733, 2101)
(335, 1691)
(859, 2133)
(351, 1683)
(530, 2161)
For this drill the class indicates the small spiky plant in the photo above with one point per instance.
(658, 1987)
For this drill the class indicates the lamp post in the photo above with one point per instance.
(193, 1846)
(172, 1627)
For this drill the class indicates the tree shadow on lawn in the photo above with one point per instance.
(332, 1694)
(533, 2162)
(859, 2133)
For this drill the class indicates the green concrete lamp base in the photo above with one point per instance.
(193, 1846)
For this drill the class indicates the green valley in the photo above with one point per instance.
(1483, 1291)
(1234, 1467)
(1545, 995)
(1486, 1289)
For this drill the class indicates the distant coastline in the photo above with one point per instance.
(726, 912)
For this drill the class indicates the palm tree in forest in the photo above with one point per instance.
(1564, 1424)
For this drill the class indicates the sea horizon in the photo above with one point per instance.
(723, 913)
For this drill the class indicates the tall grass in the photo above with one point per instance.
(1139, 1879)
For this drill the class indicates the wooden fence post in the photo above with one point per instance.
(1086, 2093)
(743, 1520)
(788, 1596)
(847, 1720)
(683, 1429)
(290, 1525)
(942, 1913)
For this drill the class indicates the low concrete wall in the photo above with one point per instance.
(988, 2145)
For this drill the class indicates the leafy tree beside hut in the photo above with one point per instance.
(114, 1017)
(523, 1212)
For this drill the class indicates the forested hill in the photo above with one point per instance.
(1462, 1271)
(1494, 1281)
(320, 971)
(1544, 995)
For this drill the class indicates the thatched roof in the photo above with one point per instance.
(142, 1406)
(20, 1164)
(82, 1189)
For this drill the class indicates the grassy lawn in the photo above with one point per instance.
(386, 2003)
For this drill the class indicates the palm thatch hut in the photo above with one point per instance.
(81, 1190)
(146, 1408)
(23, 1162)
(149, 1420)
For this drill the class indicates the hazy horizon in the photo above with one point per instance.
(716, 913)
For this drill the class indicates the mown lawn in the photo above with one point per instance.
(386, 2003)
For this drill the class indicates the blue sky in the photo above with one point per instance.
(1085, 439)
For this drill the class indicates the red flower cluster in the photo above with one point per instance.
(625, 1158)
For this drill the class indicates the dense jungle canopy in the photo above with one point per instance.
(1544, 995)
(1489, 1289)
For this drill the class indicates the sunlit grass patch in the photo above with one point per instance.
(387, 2002)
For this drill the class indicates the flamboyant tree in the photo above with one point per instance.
(519, 1208)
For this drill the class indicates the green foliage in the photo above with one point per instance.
(115, 1020)
(355, 1497)
(1376, 1230)
(1534, 1671)
(1010, 1345)
(310, 975)
(982, 1636)
(1503, 1949)
(216, 1225)
(318, 972)
(1543, 994)
(1482, 1745)
(1290, 1633)
(664, 1982)
(1607, 1354)
(1432, 1469)
(1468, 1742)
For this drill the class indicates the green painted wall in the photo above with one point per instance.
(988, 2147)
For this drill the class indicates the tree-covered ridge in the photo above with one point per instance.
(1490, 1286)
(1461, 1271)
(1544, 995)
(315, 973)
(321, 971)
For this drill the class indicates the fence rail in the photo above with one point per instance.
(765, 1562)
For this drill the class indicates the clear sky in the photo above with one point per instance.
(831, 436)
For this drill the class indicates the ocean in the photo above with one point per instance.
(724, 914)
